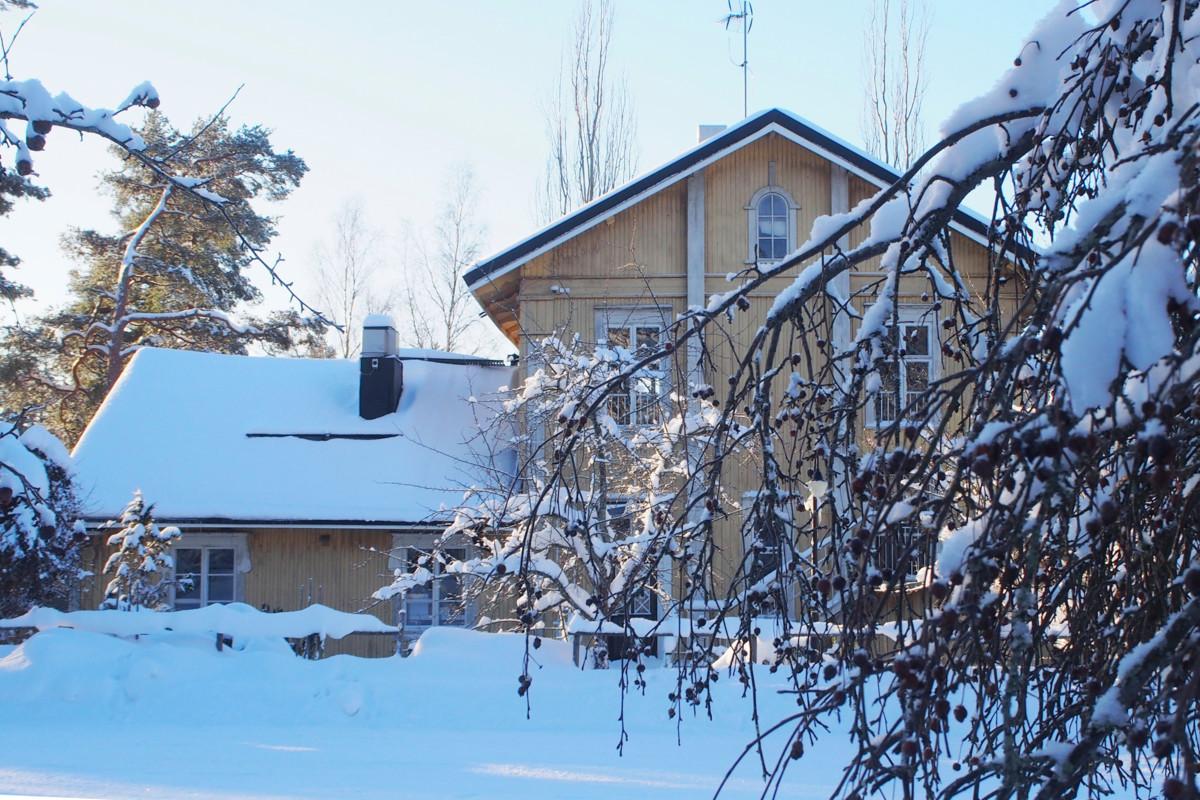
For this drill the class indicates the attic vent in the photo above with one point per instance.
(380, 374)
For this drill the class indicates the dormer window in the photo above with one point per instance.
(772, 217)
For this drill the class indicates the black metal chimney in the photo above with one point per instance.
(381, 373)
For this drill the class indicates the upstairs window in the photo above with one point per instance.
(908, 365)
(772, 225)
(636, 332)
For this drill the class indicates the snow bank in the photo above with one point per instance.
(234, 619)
(79, 674)
(446, 722)
(457, 648)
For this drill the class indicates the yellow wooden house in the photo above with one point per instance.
(620, 269)
(295, 481)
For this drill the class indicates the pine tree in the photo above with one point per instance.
(142, 567)
(174, 278)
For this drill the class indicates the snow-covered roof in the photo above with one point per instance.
(210, 437)
(773, 120)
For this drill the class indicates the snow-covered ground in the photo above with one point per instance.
(88, 715)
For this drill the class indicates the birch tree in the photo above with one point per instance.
(894, 48)
(590, 124)
(438, 307)
(347, 271)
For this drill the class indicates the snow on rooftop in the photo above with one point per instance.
(378, 321)
(213, 436)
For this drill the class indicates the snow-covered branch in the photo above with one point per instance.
(975, 517)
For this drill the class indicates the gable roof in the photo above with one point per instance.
(774, 120)
(214, 438)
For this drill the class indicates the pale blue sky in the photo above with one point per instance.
(382, 98)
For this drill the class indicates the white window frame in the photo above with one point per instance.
(631, 318)
(404, 546)
(206, 542)
(752, 224)
(909, 315)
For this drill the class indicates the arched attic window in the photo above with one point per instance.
(772, 223)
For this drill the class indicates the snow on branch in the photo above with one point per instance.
(28, 101)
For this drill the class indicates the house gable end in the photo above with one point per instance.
(707, 153)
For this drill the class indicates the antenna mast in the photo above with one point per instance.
(746, 17)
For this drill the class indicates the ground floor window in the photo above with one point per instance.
(643, 602)
(208, 570)
(903, 550)
(639, 604)
(441, 601)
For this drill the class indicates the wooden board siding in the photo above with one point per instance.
(290, 568)
(648, 238)
(730, 184)
(293, 568)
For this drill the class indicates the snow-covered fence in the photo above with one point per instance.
(234, 622)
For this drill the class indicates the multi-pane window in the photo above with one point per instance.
(439, 602)
(903, 549)
(640, 603)
(204, 576)
(906, 369)
(771, 218)
(638, 400)
(767, 559)
(764, 535)
(644, 601)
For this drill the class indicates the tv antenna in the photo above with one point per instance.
(746, 17)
